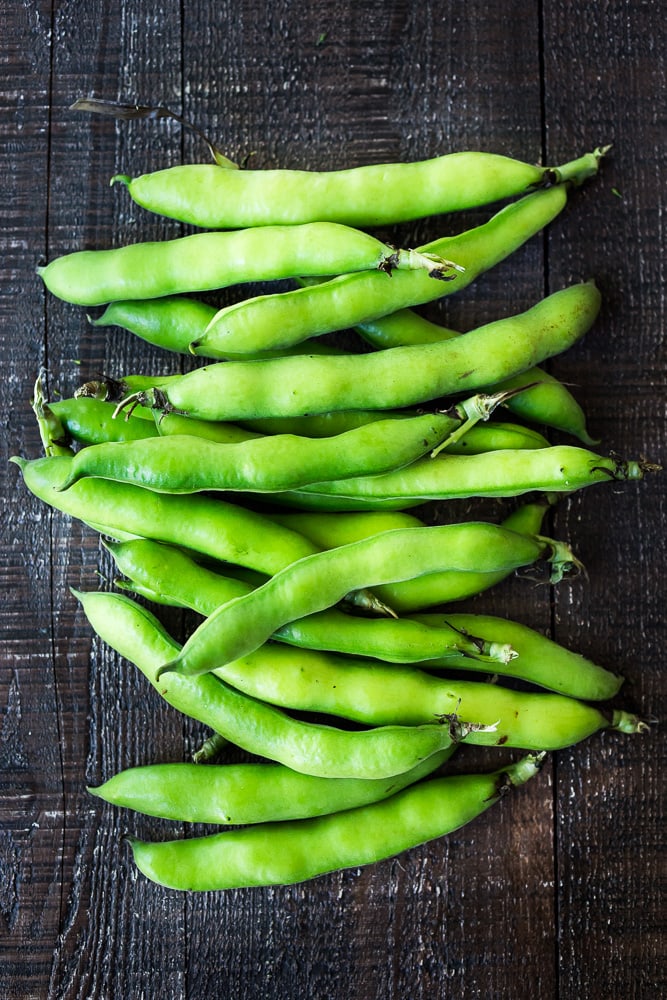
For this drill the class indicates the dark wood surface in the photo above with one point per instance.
(559, 891)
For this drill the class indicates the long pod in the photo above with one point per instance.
(403, 376)
(284, 853)
(377, 194)
(254, 726)
(248, 793)
(539, 659)
(189, 464)
(209, 526)
(314, 583)
(327, 530)
(493, 436)
(378, 695)
(559, 469)
(286, 318)
(167, 575)
(90, 421)
(208, 261)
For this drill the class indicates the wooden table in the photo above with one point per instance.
(557, 892)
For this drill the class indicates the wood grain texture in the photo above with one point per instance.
(556, 892)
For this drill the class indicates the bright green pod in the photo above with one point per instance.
(558, 469)
(208, 261)
(403, 376)
(91, 421)
(191, 464)
(204, 524)
(315, 583)
(377, 194)
(173, 322)
(167, 575)
(179, 581)
(544, 661)
(284, 853)
(379, 694)
(491, 436)
(248, 793)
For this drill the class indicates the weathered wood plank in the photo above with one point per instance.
(31, 763)
(107, 716)
(609, 798)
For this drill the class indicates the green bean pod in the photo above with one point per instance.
(372, 195)
(540, 661)
(203, 524)
(492, 436)
(279, 320)
(167, 575)
(190, 464)
(311, 748)
(174, 321)
(94, 423)
(248, 793)
(379, 694)
(544, 401)
(402, 376)
(208, 261)
(284, 853)
(90, 420)
(313, 584)
(558, 469)
(326, 531)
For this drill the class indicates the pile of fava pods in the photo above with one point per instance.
(269, 491)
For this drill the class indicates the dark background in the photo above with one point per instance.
(558, 891)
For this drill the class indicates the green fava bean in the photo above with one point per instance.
(279, 320)
(284, 853)
(379, 694)
(188, 464)
(208, 261)
(311, 748)
(558, 469)
(314, 583)
(539, 659)
(402, 376)
(90, 421)
(372, 195)
(248, 793)
(166, 575)
(209, 526)
(491, 436)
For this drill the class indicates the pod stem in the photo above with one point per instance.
(627, 722)
(521, 772)
(54, 436)
(415, 260)
(209, 749)
(579, 170)
(562, 559)
(471, 411)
